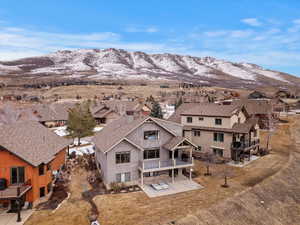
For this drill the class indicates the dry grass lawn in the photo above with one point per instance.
(74, 211)
(137, 208)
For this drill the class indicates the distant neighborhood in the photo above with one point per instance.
(158, 145)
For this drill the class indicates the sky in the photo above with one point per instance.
(264, 32)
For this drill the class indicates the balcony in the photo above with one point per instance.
(244, 146)
(15, 191)
(157, 165)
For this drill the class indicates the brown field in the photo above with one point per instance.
(90, 91)
(73, 211)
(137, 208)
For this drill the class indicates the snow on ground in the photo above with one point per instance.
(80, 150)
(62, 131)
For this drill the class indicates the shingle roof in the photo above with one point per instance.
(119, 129)
(31, 141)
(211, 109)
(175, 117)
(254, 106)
(173, 142)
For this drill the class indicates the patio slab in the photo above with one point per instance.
(174, 188)
(11, 218)
(245, 163)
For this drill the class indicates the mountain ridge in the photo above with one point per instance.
(114, 63)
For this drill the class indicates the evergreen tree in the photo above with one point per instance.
(81, 121)
(156, 110)
(178, 103)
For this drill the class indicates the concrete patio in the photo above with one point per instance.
(178, 186)
(11, 218)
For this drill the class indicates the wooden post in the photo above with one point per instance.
(190, 173)
(142, 178)
(19, 219)
(173, 176)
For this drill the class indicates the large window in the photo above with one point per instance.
(189, 119)
(197, 133)
(41, 169)
(219, 137)
(151, 135)
(151, 154)
(122, 157)
(123, 177)
(218, 152)
(218, 121)
(17, 175)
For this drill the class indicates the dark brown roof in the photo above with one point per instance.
(31, 141)
(254, 107)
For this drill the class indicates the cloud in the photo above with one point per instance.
(141, 29)
(252, 22)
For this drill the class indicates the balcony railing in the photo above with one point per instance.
(164, 164)
(244, 145)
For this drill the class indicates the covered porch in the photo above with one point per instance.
(14, 197)
(179, 155)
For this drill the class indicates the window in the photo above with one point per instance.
(151, 135)
(130, 113)
(219, 137)
(218, 121)
(17, 175)
(198, 149)
(122, 157)
(151, 154)
(197, 133)
(49, 187)
(42, 192)
(41, 169)
(48, 166)
(189, 119)
(201, 118)
(218, 152)
(123, 177)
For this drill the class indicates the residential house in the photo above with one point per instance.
(29, 156)
(108, 111)
(226, 130)
(133, 151)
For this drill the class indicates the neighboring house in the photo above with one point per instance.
(225, 130)
(111, 110)
(132, 151)
(29, 156)
(50, 115)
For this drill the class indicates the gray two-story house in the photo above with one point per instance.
(132, 151)
(225, 130)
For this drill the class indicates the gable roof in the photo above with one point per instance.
(31, 141)
(254, 106)
(176, 116)
(117, 131)
(175, 141)
(212, 109)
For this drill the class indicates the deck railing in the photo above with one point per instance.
(244, 145)
(162, 164)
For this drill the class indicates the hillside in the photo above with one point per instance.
(95, 64)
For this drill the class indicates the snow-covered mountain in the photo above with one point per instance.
(120, 64)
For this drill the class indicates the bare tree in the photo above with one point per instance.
(209, 159)
(226, 172)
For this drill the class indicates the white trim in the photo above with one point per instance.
(217, 147)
